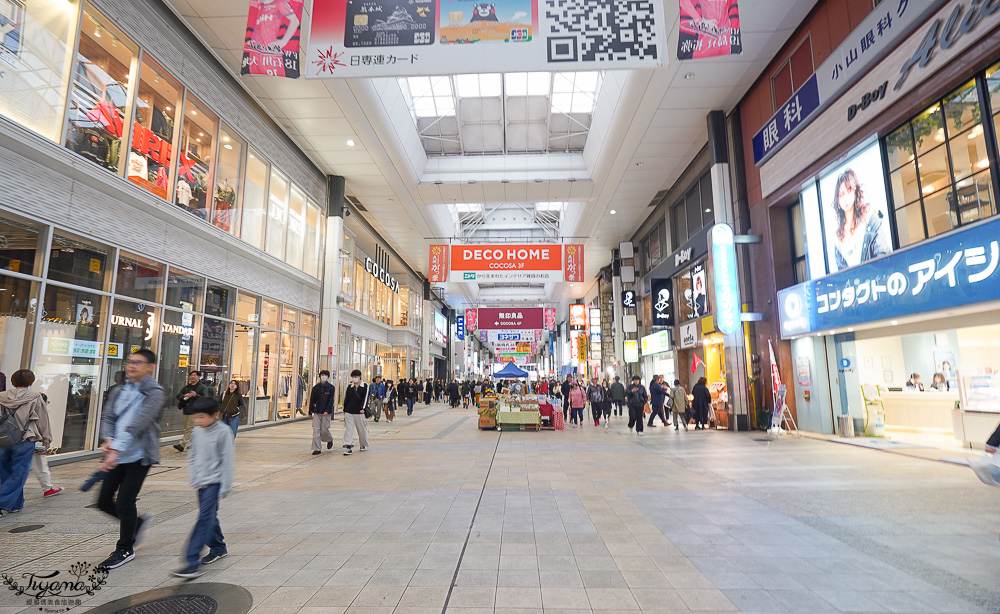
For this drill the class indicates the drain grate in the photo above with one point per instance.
(178, 604)
(26, 528)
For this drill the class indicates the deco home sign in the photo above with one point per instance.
(381, 274)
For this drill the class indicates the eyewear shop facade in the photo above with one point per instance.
(72, 310)
(896, 245)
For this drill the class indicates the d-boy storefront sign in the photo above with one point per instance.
(941, 40)
(951, 271)
(381, 274)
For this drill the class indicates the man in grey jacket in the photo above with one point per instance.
(130, 435)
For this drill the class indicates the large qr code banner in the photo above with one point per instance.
(393, 38)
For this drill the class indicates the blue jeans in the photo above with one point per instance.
(409, 405)
(577, 415)
(207, 531)
(15, 463)
(234, 423)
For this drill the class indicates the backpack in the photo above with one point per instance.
(10, 433)
(597, 395)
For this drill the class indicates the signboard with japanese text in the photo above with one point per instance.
(440, 328)
(550, 319)
(392, 38)
(574, 262)
(855, 210)
(727, 292)
(709, 28)
(942, 273)
(271, 46)
(460, 327)
(662, 302)
(878, 35)
(471, 319)
(510, 318)
(438, 269)
(577, 316)
(506, 263)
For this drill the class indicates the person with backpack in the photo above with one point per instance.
(595, 394)
(637, 399)
(24, 420)
(322, 404)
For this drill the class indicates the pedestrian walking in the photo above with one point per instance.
(390, 402)
(412, 390)
(565, 388)
(617, 392)
(194, 389)
(596, 396)
(679, 405)
(130, 436)
(477, 391)
(636, 397)
(211, 463)
(24, 423)
(453, 393)
(355, 401)
(232, 406)
(322, 404)
(466, 394)
(657, 398)
(378, 398)
(702, 400)
(577, 401)
(606, 404)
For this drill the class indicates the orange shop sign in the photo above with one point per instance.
(502, 263)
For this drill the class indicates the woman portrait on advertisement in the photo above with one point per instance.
(862, 232)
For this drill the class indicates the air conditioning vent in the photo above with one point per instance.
(656, 199)
(356, 204)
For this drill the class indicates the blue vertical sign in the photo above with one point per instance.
(727, 292)
(460, 327)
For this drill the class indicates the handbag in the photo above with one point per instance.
(646, 409)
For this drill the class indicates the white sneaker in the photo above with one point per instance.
(640, 433)
(605, 425)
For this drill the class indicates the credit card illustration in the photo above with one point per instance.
(474, 21)
(389, 23)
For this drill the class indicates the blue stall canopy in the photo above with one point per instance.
(510, 370)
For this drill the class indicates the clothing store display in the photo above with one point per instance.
(183, 193)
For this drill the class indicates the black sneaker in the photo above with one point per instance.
(189, 573)
(211, 558)
(178, 447)
(363, 448)
(348, 452)
(117, 559)
(315, 452)
(329, 445)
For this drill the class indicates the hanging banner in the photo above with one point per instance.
(777, 390)
(391, 38)
(471, 319)
(438, 269)
(550, 319)
(510, 318)
(574, 262)
(709, 28)
(271, 46)
(460, 327)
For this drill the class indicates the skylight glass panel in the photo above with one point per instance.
(575, 92)
(549, 207)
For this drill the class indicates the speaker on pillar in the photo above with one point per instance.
(336, 193)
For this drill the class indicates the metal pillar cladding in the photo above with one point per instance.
(734, 346)
(330, 336)
(619, 312)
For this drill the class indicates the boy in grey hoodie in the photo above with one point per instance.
(210, 472)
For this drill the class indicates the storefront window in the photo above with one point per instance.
(277, 215)
(133, 326)
(226, 213)
(247, 307)
(347, 269)
(269, 314)
(178, 341)
(139, 277)
(289, 320)
(77, 261)
(400, 313)
(37, 56)
(214, 361)
(244, 350)
(314, 235)
(18, 301)
(255, 200)
(194, 167)
(308, 325)
(267, 375)
(296, 228)
(184, 290)
(219, 300)
(102, 90)
(306, 352)
(149, 160)
(288, 386)
(67, 369)
(19, 246)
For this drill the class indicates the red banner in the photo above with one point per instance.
(271, 46)
(438, 264)
(510, 318)
(574, 262)
(471, 319)
(550, 319)
(709, 28)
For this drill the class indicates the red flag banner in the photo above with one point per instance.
(438, 264)
(573, 262)
(709, 28)
(695, 363)
(271, 46)
(471, 319)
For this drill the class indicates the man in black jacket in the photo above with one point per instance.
(355, 401)
(412, 390)
(565, 397)
(637, 399)
(322, 402)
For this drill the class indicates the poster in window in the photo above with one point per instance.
(84, 313)
(709, 28)
(699, 288)
(271, 46)
(855, 210)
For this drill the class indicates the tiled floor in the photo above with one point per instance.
(441, 516)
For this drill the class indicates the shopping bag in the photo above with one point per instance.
(646, 409)
(987, 468)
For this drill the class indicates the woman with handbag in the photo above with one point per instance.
(231, 406)
(702, 401)
(24, 420)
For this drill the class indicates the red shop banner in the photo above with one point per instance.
(574, 262)
(271, 46)
(510, 318)
(709, 28)
(550, 319)
(471, 319)
(438, 271)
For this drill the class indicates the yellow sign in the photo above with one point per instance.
(14, 265)
(114, 349)
(133, 349)
(182, 361)
(631, 351)
(95, 266)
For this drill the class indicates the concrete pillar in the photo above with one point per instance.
(329, 338)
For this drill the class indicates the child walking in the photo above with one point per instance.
(210, 472)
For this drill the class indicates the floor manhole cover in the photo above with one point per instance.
(187, 598)
(26, 528)
(178, 604)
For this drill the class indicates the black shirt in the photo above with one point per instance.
(355, 399)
